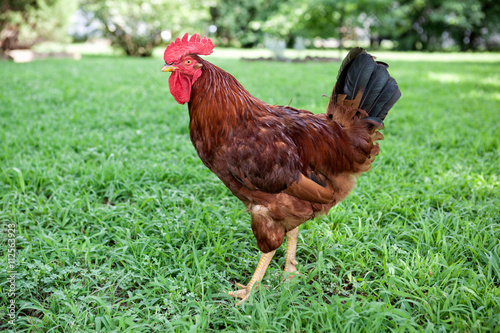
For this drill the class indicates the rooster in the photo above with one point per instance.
(286, 165)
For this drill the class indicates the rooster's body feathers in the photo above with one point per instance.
(293, 162)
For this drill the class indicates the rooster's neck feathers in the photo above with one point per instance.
(218, 106)
(218, 90)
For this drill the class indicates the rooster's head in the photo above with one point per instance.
(180, 59)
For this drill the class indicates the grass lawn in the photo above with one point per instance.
(120, 228)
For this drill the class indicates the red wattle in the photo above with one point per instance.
(180, 87)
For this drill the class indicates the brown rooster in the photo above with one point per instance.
(286, 165)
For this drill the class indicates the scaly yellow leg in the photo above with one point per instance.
(291, 251)
(244, 292)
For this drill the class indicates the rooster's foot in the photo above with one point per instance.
(245, 291)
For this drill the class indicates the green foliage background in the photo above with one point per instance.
(23, 23)
(136, 25)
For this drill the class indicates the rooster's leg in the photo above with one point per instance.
(291, 251)
(244, 292)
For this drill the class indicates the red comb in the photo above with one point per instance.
(179, 48)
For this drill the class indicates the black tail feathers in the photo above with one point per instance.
(366, 84)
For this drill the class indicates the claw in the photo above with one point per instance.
(245, 291)
(243, 294)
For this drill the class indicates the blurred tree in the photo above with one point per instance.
(412, 24)
(24, 23)
(247, 21)
(383, 19)
(239, 22)
(330, 18)
(136, 25)
(287, 21)
(324, 18)
(430, 23)
(486, 33)
(437, 24)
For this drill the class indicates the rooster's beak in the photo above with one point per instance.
(168, 68)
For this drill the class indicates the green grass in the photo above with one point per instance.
(121, 228)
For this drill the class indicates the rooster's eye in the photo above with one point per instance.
(188, 62)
